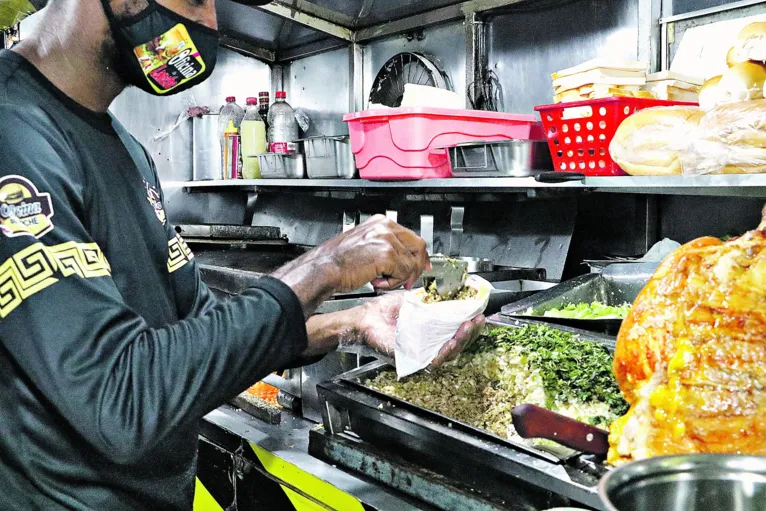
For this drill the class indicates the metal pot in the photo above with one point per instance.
(207, 148)
(477, 265)
(687, 483)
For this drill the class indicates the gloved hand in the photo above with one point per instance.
(378, 329)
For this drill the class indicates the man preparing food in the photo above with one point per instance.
(112, 347)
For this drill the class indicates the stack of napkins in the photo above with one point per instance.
(600, 78)
(672, 86)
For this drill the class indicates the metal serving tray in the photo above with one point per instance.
(616, 285)
(329, 158)
(282, 166)
(511, 158)
(456, 450)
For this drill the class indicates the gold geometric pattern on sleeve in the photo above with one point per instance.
(82, 259)
(37, 267)
(179, 253)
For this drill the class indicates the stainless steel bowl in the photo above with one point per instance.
(695, 482)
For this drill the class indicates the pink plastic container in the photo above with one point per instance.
(410, 143)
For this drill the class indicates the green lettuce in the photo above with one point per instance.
(595, 310)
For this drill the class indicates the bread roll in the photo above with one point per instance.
(742, 82)
(708, 96)
(731, 58)
(648, 142)
(751, 44)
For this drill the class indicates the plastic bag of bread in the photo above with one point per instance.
(426, 324)
(728, 139)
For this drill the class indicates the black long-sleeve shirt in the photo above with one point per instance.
(111, 347)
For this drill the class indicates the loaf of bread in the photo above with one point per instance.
(643, 144)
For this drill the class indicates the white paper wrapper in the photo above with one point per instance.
(423, 328)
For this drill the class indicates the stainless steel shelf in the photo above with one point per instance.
(729, 185)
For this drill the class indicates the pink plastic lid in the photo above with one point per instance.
(231, 99)
(438, 112)
(252, 101)
(281, 94)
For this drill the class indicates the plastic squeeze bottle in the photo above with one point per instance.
(253, 132)
(232, 157)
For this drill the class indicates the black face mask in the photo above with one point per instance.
(162, 52)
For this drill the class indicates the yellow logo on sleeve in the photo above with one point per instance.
(24, 211)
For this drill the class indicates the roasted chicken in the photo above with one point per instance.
(691, 355)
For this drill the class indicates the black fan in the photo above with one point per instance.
(404, 68)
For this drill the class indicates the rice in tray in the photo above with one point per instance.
(533, 364)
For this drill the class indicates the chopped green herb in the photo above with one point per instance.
(570, 367)
(533, 364)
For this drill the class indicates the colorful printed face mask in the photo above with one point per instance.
(162, 52)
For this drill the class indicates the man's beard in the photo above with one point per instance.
(109, 57)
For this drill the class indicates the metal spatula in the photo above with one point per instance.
(448, 274)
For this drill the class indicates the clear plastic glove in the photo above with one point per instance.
(378, 329)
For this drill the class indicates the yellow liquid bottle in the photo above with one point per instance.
(253, 131)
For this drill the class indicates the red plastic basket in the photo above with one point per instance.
(579, 133)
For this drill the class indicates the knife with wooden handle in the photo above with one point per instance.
(532, 421)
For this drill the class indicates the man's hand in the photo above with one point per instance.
(378, 329)
(378, 251)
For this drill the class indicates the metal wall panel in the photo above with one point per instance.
(447, 43)
(512, 231)
(145, 116)
(270, 30)
(525, 48)
(686, 218)
(320, 86)
(684, 6)
(371, 12)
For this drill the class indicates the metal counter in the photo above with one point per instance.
(246, 464)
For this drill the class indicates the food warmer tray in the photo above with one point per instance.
(615, 286)
(461, 452)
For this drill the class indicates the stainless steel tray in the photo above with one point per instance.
(462, 452)
(282, 166)
(329, 158)
(512, 158)
(616, 285)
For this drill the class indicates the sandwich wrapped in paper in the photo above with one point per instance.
(426, 324)
(728, 139)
